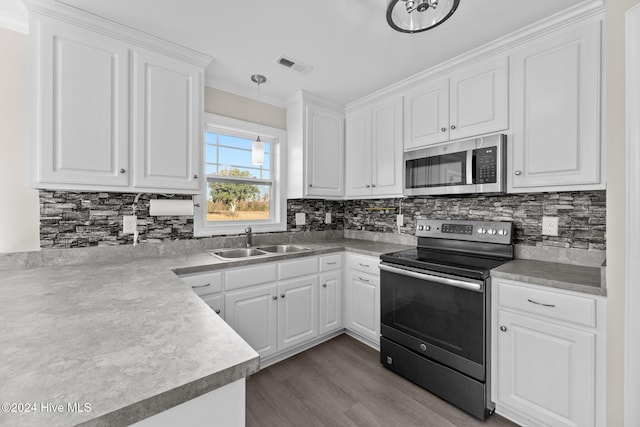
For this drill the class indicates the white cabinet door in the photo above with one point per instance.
(555, 86)
(479, 99)
(297, 311)
(358, 168)
(324, 152)
(426, 114)
(167, 122)
(216, 303)
(546, 370)
(386, 148)
(330, 301)
(363, 305)
(252, 313)
(81, 99)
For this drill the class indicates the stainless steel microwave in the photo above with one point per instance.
(463, 167)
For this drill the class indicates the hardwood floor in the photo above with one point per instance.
(342, 383)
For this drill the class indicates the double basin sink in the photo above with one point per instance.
(231, 254)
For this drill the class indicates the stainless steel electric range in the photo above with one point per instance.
(435, 309)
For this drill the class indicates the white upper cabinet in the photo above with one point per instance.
(79, 119)
(166, 125)
(315, 142)
(374, 150)
(107, 114)
(556, 115)
(471, 101)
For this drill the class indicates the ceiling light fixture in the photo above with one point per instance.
(257, 148)
(414, 16)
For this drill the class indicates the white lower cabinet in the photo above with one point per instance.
(548, 362)
(253, 314)
(330, 301)
(297, 311)
(362, 297)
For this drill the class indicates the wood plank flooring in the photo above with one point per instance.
(342, 383)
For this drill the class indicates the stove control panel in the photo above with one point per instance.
(477, 231)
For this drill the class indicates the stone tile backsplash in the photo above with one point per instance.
(74, 219)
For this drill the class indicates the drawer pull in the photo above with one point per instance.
(539, 303)
(217, 310)
(364, 280)
(332, 263)
(200, 286)
(324, 285)
(364, 265)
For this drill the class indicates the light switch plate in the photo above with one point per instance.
(549, 225)
(301, 218)
(327, 218)
(400, 220)
(129, 223)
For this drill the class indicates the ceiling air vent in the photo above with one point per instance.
(294, 64)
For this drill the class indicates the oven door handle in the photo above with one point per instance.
(443, 280)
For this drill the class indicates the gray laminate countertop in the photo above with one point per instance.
(124, 336)
(562, 276)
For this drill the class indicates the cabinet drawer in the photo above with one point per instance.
(331, 262)
(571, 308)
(249, 276)
(367, 264)
(204, 283)
(216, 303)
(297, 268)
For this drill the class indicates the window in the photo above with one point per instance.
(237, 192)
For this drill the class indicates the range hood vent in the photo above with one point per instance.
(294, 64)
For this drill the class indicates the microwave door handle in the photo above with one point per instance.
(442, 280)
(469, 167)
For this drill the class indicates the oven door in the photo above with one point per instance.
(438, 316)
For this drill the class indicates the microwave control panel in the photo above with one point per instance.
(485, 163)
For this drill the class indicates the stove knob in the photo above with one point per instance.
(427, 227)
(502, 232)
(492, 231)
(482, 230)
(420, 227)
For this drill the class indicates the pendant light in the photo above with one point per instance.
(414, 16)
(257, 148)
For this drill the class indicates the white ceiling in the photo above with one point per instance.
(348, 42)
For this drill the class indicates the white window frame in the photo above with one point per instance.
(278, 222)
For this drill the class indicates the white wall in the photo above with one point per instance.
(19, 207)
(227, 104)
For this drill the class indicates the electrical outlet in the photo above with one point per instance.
(129, 223)
(327, 218)
(400, 220)
(549, 225)
(301, 218)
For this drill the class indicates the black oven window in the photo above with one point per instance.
(436, 171)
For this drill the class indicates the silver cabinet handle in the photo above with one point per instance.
(443, 129)
(310, 185)
(195, 176)
(200, 286)
(275, 297)
(503, 328)
(123, 170)
(364, 265)
(367, 186)
(373, 185)
(332, 263)
(217, 310)
(437, 279)
(364, 280)
(518, 172)
(282, 295)
(453, 127)
(324, 285)
(539, 303)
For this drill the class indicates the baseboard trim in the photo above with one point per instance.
(299, 349)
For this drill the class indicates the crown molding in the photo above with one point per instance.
(582, 12)
(95, 23)
(15, 22)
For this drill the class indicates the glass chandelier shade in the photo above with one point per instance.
(414, 16)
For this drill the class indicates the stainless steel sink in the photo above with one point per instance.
(283, 249)
(237, 253)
